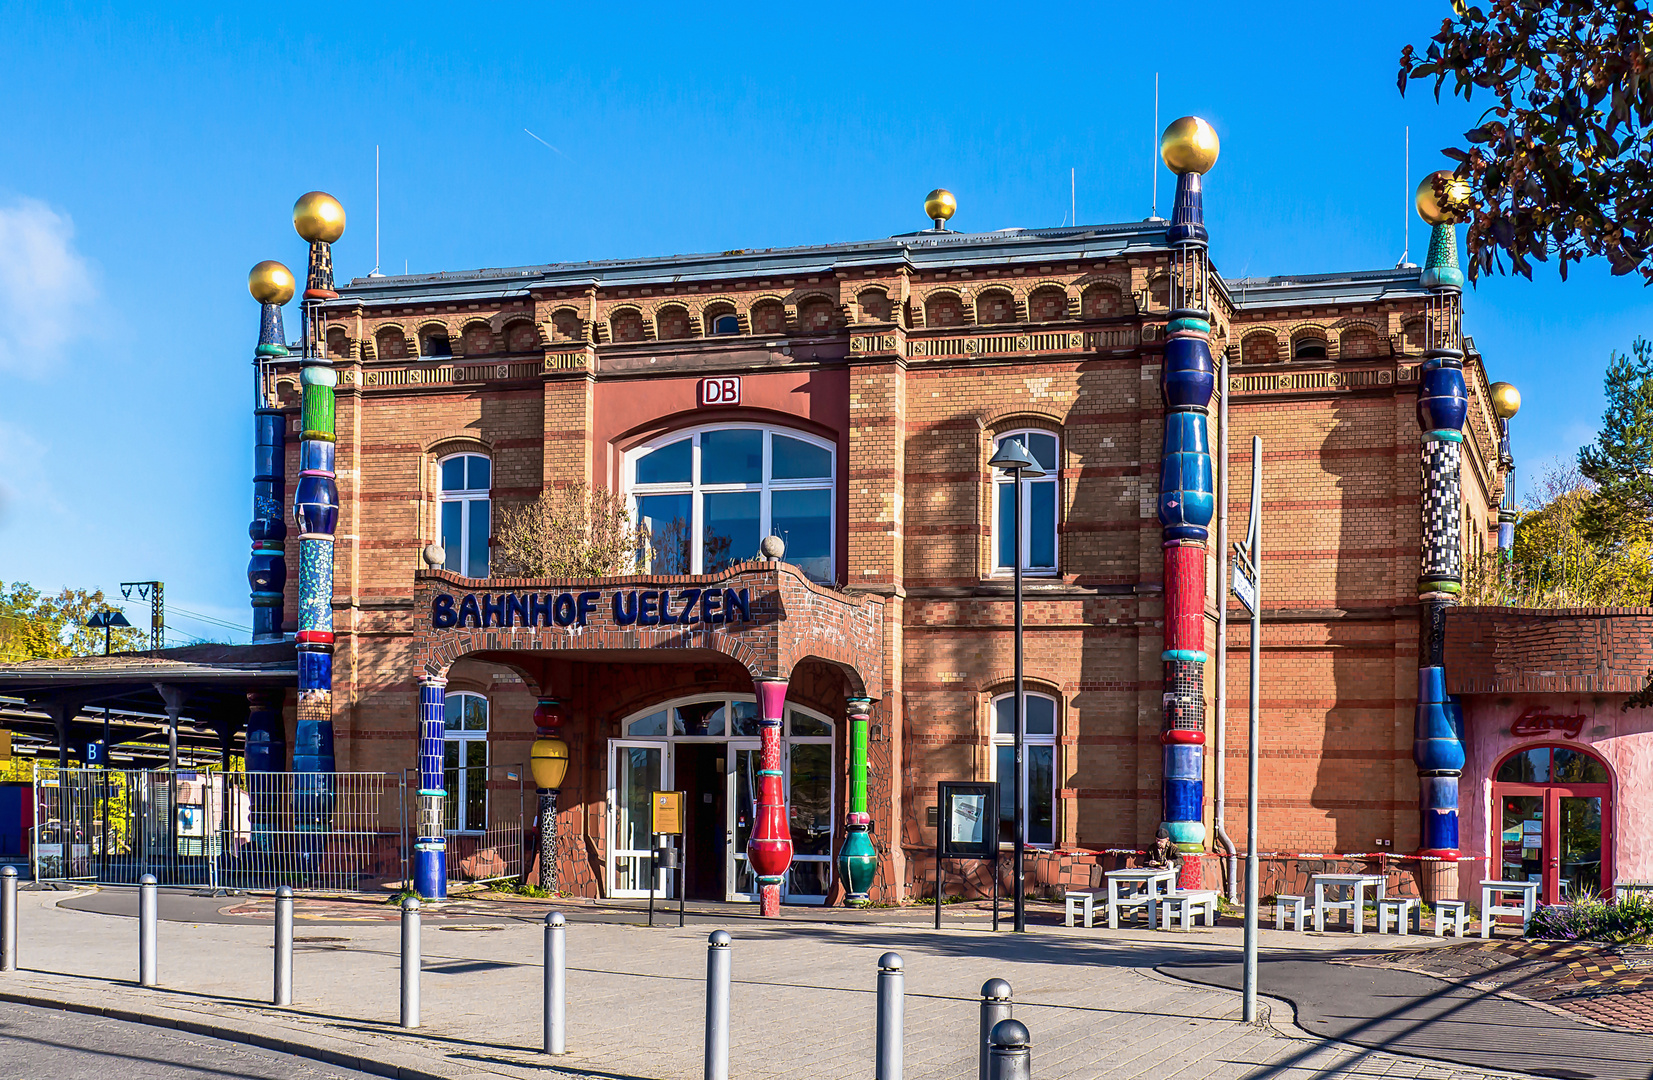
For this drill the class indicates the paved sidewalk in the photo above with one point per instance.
(802, 1002)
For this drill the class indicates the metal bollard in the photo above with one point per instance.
(410, 962)
(556, 984)
(995, 1006)
(148, 911)
(1012, 1051)
(892, 1009)
(717, 1005)
(8, 919)
(284, 946)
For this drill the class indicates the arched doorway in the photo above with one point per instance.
(1554, 805)
(707, 747)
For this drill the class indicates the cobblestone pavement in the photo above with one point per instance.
(1607, 984)
(802, 1000)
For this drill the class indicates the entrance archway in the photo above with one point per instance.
(1554, 806)
(707, 747)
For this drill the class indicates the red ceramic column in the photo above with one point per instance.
(769, 850)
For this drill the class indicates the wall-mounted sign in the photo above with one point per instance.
(1538, 721)
(630, 607)
(723, 391)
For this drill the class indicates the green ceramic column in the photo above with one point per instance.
(857, 860)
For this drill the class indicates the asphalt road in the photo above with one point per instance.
(45, 1044)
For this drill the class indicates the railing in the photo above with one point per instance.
(500, 850)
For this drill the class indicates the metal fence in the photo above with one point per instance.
(316, 831)
(499, 849)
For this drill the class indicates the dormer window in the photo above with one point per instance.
(726, 324)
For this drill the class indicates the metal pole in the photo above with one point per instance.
(717, 1006)
(148, 909)
(8, 919)
(410, 962)
(1012, 1051)
(1255, 544)
(892, 1008)
(284, 946)
(1018, 901)
(996, 1005)
(556, 984)
(1220, 810)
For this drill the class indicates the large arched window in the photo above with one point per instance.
(466, 480)
(1041, 509)
(706, 498)
(465, 761)
(1553, 806)
(1038, 767)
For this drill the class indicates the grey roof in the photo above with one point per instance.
(927, 250)
(1354, 287)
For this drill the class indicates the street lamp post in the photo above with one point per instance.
(1012, 457)
(107, 620)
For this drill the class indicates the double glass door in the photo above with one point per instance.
(1554, 809)
(720, 783)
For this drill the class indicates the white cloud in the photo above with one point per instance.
(23, 482)
(47, 288)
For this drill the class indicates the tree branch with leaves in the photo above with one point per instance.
(576, 531)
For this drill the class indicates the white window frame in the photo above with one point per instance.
(1053, 740)
(697, 491)
(997, 479)
(456, 799)
(669, 769)
(468, 499)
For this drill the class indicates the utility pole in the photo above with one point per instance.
(1248, 589)
(154, 592)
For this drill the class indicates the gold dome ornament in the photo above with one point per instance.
(1506, 400)
(1189, 145)
(1448, 209)
(940, 206)
(318, 216)
(271, 283)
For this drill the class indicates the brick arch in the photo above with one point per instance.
(716, 307)
(1103, 300)
(566, 323)
(476, 338)
(672, 322)
(1048, 301)
(883, 305)
(1260, 347)
(338, 342)
(996, 304)
(1360, 341)
(1157, 281)
(766, 314)
(521, 335)
(1022, 416)
(945, 307)
(813, 302)
(1003, 681)
(390, 342)
(1415, 334)
(624, 315)
(455, 645)
(456, 442)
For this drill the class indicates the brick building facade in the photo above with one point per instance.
(899, 363)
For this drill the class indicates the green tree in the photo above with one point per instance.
(35, 625)
(576, 531)
(1620, 462)
(1561, 163)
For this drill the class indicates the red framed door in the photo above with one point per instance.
(1554, 809)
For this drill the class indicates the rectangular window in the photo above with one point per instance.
(1038, 767)
(1040, 507)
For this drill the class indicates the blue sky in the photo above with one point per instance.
(147, 161)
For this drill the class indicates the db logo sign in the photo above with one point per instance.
(720, 391)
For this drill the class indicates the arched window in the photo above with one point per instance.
(1041, 509)
(434, 343)
(1553, 806)
(465, 761)
(1038, 767)
(728, 323)
(706, 498)
(466, 519)
(1308, 348)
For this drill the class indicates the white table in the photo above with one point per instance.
(1354, 904)
(1492, 895)
(1132, 889)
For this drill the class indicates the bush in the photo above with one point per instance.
(1625, 920)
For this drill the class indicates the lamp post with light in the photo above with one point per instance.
(548, 761)
(107, 620)
(1012, 457)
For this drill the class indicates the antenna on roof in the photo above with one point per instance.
(375, 272)
(1073, 196)
(1406, 205)
(1153, 155)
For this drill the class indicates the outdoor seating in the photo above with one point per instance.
(1133, 890)
(1295, 907)
(1354, 886)
(1403, 909)
(1077, 902)
(1184, 906)
(1453, 915)
(1492, 905)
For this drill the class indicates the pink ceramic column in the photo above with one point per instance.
(769, 850)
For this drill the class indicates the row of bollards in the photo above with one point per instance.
(1004, 1050)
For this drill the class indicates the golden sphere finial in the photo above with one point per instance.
(940, 206)
(1448, 211)
(318, 216)
(1506, 400)
(271, 283)
(1189, 145)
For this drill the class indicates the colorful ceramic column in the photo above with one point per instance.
(430, 845)
(272, 285)
(1186, 500)
(319, 219)
(769, 850)
(857, 859)
(1443, 404)
(549, 761)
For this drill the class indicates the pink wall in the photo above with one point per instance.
(1624, 740)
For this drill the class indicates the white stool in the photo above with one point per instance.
(1295, 907)
(1076, 901)
(1451, 914)
(1184, 906)
(1403, 909)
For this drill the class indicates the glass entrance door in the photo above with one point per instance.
(743, 759)
(1555, 809)
(636, 770)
